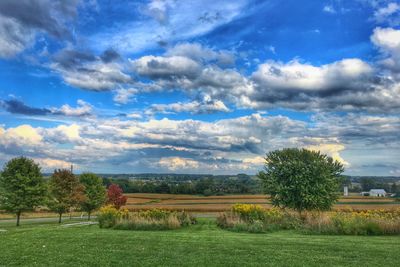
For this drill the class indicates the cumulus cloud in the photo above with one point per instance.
(346, 74)
(188, 75)
(205, 106)
(346, 85)
(83, 109)
(388, 41)
(177, 163)
(49, 164)
(331, 150)
(169, 68)
(95, 76)
(63, 134)
(224, 146)
(85, 70)
(124, 96)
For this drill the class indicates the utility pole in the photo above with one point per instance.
(70, 211)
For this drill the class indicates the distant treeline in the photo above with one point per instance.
(188, 184)
(206, 184)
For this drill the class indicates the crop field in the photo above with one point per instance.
(191, 203)
(199, 204)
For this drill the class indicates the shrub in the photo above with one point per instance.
(248, 212)
(154, 219)
(348, 222)
(256, 219)
(109, 216)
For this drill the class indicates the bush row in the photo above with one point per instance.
(254, 218)
(155, 219)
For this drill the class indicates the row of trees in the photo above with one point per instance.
(200, 186)
(23, 188)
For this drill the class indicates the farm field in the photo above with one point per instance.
(213, 204)
(199, 245)
(191, 203)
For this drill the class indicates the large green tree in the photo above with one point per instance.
(22, 187)
(95, 192)
(301, 179)
(65, 192)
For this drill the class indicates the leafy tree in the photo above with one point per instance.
(115, 196)
(368, 183)
(95, 192)
(301, 179)
(22, 187)
(65, 192)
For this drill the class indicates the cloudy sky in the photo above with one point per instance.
(199, 86)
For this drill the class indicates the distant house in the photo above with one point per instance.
(377, 193)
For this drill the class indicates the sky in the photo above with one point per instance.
(199, 86)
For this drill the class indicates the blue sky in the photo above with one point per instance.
(199, 86)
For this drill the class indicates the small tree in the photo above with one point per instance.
(65, 192)
(301, 179)
(115, 196)
(95, 192)
(22, 187)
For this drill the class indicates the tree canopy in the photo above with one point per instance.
(65, 191)
(301, 179)
(22, 187)
(95, 192)
(115, 196)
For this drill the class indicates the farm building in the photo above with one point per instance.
(377, 193)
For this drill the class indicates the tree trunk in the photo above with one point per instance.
(59, 217)
(89, 216)
(18, 217)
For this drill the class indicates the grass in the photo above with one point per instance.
(200, 245)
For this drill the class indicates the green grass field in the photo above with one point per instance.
(199, 245)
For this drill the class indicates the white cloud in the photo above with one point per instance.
(21, 135)
(166, 67)
(329, 9)
(332, 150)
(63, 134)
(388, 14)
(49, 164)
(388, 41)
(206, 105)
(83, 109)
(96, 76)
(124, 96)
(177, 163)
(302, 76)
(223, 146)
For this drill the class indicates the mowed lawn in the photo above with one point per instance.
(199, 245)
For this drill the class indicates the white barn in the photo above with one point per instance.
(377, 192)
